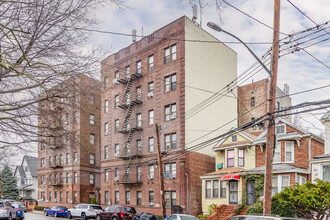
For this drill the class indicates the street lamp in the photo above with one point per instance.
(219, 29)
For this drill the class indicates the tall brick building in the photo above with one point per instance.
(154, 80)
(68, 152)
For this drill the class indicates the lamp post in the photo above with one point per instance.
(219, 29)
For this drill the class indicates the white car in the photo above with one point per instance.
(7, 211)
(84, 211)
(182, 217)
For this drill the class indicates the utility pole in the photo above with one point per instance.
(272, 104)
(161, 177)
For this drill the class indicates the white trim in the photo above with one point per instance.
(233, 146)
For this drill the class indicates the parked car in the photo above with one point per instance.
(182, 217)
(84, 211)
(19, 210)
(145, 216)
(7, 211)
(29, 200)
(261, 217)
(56, 211)
(116, 212)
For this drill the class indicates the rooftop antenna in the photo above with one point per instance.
(134, 35)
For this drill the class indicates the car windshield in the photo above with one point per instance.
(62, 207)
(96, 207)
(129, 210)
(188, 217)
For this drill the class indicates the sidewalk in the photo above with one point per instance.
(37, 212)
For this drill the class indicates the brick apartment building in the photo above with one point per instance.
(154, 80)
(253, 102)
(69, 145)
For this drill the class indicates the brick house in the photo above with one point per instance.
(153, 81)
(69, 143)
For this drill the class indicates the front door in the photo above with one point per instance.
(233, 192)
(250, 192)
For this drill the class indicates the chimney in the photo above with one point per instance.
(134, 35)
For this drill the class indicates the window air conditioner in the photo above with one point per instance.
(115, 81)
(150, 94)
(151, 176)
(116, 178)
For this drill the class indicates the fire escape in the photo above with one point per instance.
(128, 104)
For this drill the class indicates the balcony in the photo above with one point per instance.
(127, 78)
(127, 153)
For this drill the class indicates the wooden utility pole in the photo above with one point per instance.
(272, 106)
(161, 177)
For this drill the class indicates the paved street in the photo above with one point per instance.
(32, 216)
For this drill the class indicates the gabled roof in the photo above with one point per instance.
(278, 168)
(20, 171)
(249, 139)
(32, 163)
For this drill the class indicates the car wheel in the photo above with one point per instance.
(45, 213)
(83, 216)
(69, 216)
(115, 218)
(98, 217)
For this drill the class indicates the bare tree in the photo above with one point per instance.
(42, 44)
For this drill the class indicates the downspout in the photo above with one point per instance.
(310, 157)
(186, 174)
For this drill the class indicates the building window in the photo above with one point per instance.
(128, 197)
(139, 172)
(116, 150)
(280, 129)
(42, 196)
(75, 177)
(42, 162)
(151, 198)
(106, 152)
(67, 199)
(151, 144)
(92, 159)
(289, 151)
(67, 119)
(170, 83)
(116, 125)
(75, 117)
(138, 198)
(106, 197)
(67, 158)
(223, 189)
(42, 180)
(106, 82)
(91, 119)
(241, 157)
(139, 120)
(76, 95)
(127, 71)
(279, 183)
(301, 180)
(170, 170)
(75, 196)
(61, 177)
(170, 112)
(92, 99)
(106, 175)
(150, 89)
(117, 74)
(91, 179)
(285, 182)
(151, 172)
(75, 157)
(170, 198)
(208, 189)
(170, 53)
(106, 105)
(151, 62)
(215, 189)
(61, 196)
(170, 141)
(151, 117)
(253, 101)
(230, 158)
(116, 172)
(277, 153)
(325, 172)
(50, 196)
(106, 128)
(92, 139)
(117, 197)
(55, 160)
(234, 138)
(138, 67)
(116, 101)
(139, 93)
(67, 176)
(138, 145)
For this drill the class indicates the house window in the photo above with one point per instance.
(234, 138)
(106, 105)
(277, 153)
(92, 139)
(151, 117)
(279, 183)
(301, 180)
(170, 83)
(289, 151)
(75, 157)
(170, 112)
(127, 71)
(138, 67)
(116, 126)
(151, 144)
(151, 198)
(106, 82)
(223, 189)
(208, 189)
(75, 117)
(116, 101)
(139, 172)
(75, 177)
(92, 99)
(138, 145)
(67, 199)
(116, 150)
(170, 198)
(253, 101)
(285, 182)
(55, 178)
(170, 141)
(91, 119)
(215, 188)
(170, 170)
(230, 158)
(241, 157)
(91, 179)
(151, 87)
(117, 197)
(106, 128)
(42, 180)
(42, 162)
(280, 129)
(92, 159)
(106, 175)
(50, 179)
(128, 173)
(106, 152)
(151, 62)
(138, 198)
(128, 197)
(151, 172)
(139, 93)
(67, 158)
(106, 197)
(139, 120)
(67, 176)
(42, 196)
(75, 196)
(170, 53)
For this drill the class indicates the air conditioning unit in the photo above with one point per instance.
(151, 176)
(172, 175)
(173, 116)
(151, 204)
(115, 81)
(150, 94)
(116, 178)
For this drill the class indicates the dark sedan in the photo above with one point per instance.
(56, 211)
(116, 212)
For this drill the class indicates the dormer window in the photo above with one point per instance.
(280, 129)
(234, 138)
